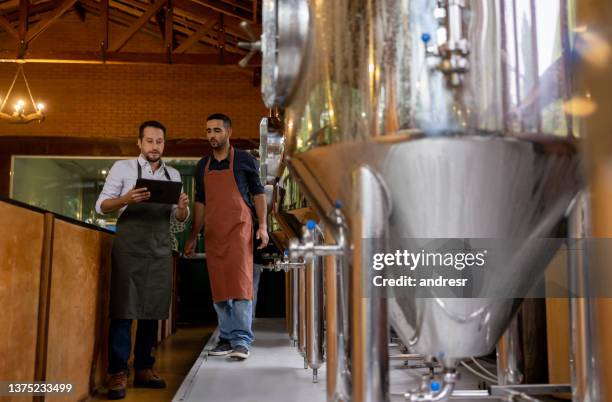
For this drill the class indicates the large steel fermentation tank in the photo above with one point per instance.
(426, 119)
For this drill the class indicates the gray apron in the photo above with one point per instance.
(141, 280)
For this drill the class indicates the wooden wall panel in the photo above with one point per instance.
(74, 306)
(20, 264)
(557, 321)
(99, 369)
(557, 312)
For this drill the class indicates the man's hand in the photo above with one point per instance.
(262, 234)
(183, 202)
(181, 207)
(190, 246)
(136, 195)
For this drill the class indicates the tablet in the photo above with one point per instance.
(162, 192)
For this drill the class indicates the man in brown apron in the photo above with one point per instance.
(228, 188)
(141, 280)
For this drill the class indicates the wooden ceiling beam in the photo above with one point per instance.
(118, 17)
(169, 29)
(24, 6)
(237, 4)
(8, 27)
(46, 22)
(144, 18)
(196, 37)
(24, 9)
(211, 40)
(224, 8)
(104, 17)
(193, 11)
(10, 4)
(14, 15)
(197, 11)
(186, 29)
(80, 10)
(119, 58)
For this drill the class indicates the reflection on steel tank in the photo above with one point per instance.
(456, 108)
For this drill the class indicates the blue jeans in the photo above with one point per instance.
(235, 318)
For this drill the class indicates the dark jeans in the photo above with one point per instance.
(120, 344)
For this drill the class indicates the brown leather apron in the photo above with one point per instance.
(228, 235)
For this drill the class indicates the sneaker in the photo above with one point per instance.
(222, 349)
(240, 353)
(117, 385)
(148, 379)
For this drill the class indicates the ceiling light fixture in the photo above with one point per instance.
(19, 114)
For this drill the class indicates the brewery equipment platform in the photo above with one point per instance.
(275, 372)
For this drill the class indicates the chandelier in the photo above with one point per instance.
(19, 112)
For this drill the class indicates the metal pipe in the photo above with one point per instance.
(295, 303)
(343, 379)
(331, 319)
(309, 250)
(314, 310)
(510, 365)
(301, 274)
(369, 350)
(582, 356)
(435, 392)
(306, 247)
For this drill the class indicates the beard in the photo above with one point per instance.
(217, 144)
(152, 157)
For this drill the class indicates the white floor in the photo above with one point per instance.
(274, 372)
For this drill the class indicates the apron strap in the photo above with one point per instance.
(231, 167)
(140, 171)
(206, 168)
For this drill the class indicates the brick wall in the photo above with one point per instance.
(91, 100)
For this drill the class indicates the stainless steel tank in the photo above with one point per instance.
(458, 107)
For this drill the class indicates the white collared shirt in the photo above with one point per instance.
(122, 178)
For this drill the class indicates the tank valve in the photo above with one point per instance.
(288, 263)
(307, 249)
(453, 53)
(437, 391)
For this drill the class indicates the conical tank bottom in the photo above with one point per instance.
(458, 187)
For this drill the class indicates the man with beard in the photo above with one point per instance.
(228, 189)
(141, 280)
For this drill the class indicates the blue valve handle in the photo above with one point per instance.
(311, 225)
(435, 386)
(338, 204)
(286, 253)
(425, 37)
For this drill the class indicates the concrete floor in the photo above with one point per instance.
(273, 372)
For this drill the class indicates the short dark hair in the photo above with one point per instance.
(227, 122)
(151, 123)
